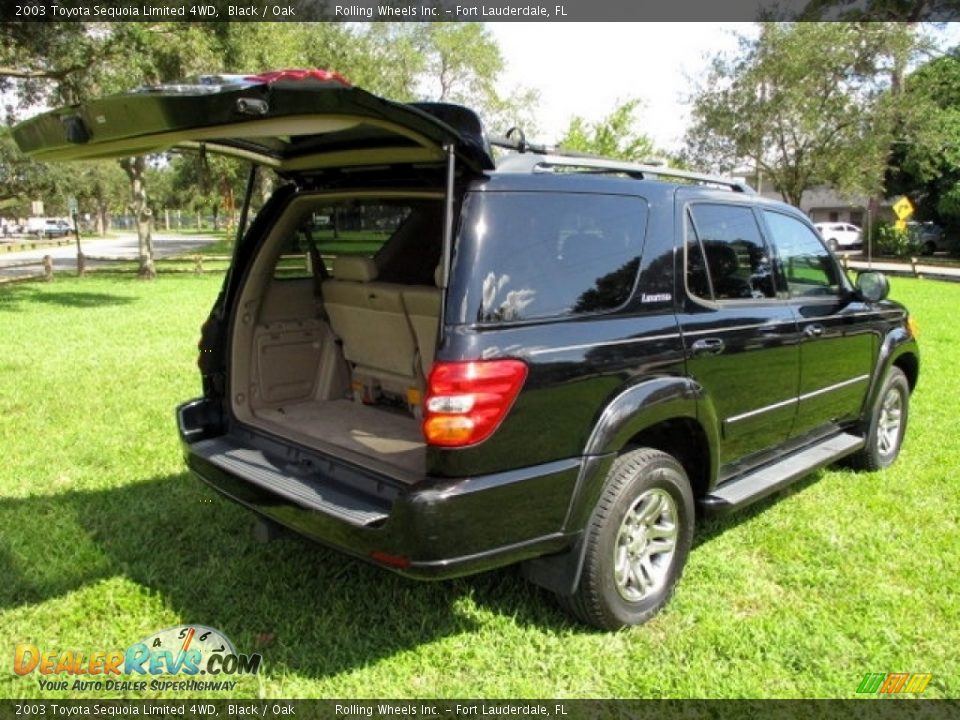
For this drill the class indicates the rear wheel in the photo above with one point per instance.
(888, 422)
(637, 542)
(833, 245)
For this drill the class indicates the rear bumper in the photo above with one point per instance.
(438, 528)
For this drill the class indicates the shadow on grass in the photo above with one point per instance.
(324, 613)
(20, 296)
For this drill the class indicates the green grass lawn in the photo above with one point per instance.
(104, 539)
(346, 243)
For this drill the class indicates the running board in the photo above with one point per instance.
(755, 485)
(310, 490)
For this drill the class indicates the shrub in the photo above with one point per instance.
(892, 241)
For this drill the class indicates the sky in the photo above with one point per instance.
(587, 68)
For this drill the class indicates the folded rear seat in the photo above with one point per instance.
(369, 319)
(423, 308)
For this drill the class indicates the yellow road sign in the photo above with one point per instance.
(903, 208)
(901, 224)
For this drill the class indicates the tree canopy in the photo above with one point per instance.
(616, 135)
(70, 62)
(805, 103)
(925, 163)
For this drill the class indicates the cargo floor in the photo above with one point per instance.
(390, 437)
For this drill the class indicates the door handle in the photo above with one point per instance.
(708, 346)
(813, 330)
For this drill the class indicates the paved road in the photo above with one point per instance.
(125, 246)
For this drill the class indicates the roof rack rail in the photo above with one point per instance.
(536, 162)
(515, 139)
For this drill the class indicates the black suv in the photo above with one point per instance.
(443, 363)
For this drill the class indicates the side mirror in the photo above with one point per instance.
(873, 286)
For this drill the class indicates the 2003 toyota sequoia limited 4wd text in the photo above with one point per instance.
(443, 363)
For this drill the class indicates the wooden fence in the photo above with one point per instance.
(44, 266)
(197, 264)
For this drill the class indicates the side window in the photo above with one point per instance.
(698, 281)
(526, 255)
(807, 266)
(726, 256)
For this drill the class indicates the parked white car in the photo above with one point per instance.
(841, 236)
(48, 227)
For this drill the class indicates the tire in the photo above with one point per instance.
(612, 591)
(887, 425)
(929, 248)
(833, 245)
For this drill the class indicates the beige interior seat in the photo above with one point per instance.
(423, 308)
(369, 319)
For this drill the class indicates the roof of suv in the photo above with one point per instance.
(541, 162)
(541, 171)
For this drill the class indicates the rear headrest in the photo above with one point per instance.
(438, 275)
(353, 267)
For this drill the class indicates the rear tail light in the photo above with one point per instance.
(467, 401)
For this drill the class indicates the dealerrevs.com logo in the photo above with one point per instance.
(185, 652)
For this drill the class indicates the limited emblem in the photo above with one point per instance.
(656, 297)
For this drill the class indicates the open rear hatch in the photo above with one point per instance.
(295, 370)
(292, 121)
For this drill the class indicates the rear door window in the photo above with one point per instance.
(534, 255)
(726, 256)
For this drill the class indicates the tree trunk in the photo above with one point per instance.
(101, 220)
(794, 196)
(135, 168)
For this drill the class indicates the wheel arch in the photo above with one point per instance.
(898, 349)
(909, 363)
(670, 414)
(685, 439)
(665, 413)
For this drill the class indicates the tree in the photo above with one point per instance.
(98, 187)
(613, 136)
(925, 163)
(804, 103)
(461, 64)
(210, 183)
(73, 62)
(23, 180)
(877, 10)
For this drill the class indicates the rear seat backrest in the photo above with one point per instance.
(369, 319)
(423, 307)
(355, 268)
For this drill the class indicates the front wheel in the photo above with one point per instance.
(888, 423)
(636, 543)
